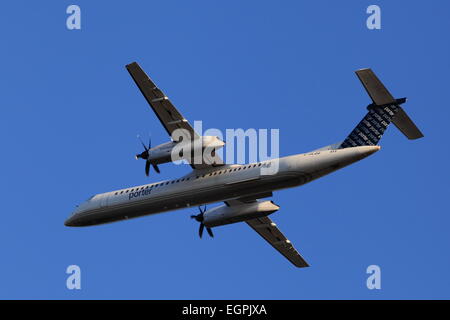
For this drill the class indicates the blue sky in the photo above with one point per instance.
(71, 113)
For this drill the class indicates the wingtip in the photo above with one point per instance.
(303, 265)
(362, 69)
(130, 64)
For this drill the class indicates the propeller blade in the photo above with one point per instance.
(146, 155)
(200, 231)
(142, 142)
(199, 218)
(156, 168)
(147, 168)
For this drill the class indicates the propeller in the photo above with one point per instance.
(145, 155)
(200, 217)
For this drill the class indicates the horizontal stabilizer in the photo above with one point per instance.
(375, 88)
(384, 110)
(404, 123)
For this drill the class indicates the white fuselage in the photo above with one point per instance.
(214, 185)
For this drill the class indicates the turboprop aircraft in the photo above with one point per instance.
(239, 187)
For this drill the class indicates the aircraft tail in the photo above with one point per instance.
(384, 110)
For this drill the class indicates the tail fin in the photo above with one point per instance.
(384, 110)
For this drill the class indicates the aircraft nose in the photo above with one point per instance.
(71, 221)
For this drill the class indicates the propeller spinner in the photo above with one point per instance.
(145, 155)
(200, 217)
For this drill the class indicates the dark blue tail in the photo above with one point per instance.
(371, 128)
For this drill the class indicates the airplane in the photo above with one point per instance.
(241, 187)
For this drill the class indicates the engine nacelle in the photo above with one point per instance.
(225, 215)
(163, 152)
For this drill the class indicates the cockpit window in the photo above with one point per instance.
(90, 198)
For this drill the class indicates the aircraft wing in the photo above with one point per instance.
(267, 229)
(170, 117)
(166, 112)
